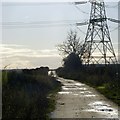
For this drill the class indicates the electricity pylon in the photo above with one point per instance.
(98, 48)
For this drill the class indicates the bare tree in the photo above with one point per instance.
(71, 45)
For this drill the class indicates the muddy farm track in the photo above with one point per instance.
(77, 100)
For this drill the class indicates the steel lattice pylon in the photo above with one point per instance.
(98, 48)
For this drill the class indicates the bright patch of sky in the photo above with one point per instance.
(31, 32)
(54, 0)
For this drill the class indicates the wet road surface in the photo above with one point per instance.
(77, 100)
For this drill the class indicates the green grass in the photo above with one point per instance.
(110, 93)
(26, 95)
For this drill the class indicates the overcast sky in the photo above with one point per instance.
(31, 32)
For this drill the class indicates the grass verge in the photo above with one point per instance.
(26, 94)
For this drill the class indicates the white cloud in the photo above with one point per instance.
(21, 57)
(12, 45)
(8, 51)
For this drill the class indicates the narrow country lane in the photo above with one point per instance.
(77, 100)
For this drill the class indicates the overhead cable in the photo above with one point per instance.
(113, 20)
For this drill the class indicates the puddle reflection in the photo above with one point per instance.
(64, 88)
(90, 95)
(83, 92)
(102, 107)
(64, 92)
(79, 84)
(73, 88)
(76, 94)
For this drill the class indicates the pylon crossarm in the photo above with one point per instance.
(113, 20)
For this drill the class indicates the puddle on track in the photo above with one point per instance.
(102, 107)
(73, 88)
(80, 90)
(64, 93)
(90, 95)
(76, 94)
(85, 92)
(79, 84)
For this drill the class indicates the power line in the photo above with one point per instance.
(113, 20)
(33, 3)
(38, 22)
(52, 22)
(80, 2)
(78, 29)
(83, 23)
(81, 31)
(115, 29)
(81, 10)
(41, 24)
(40, 3)
(109, 6)
(37, 26)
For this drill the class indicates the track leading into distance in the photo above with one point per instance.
(77, 100)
